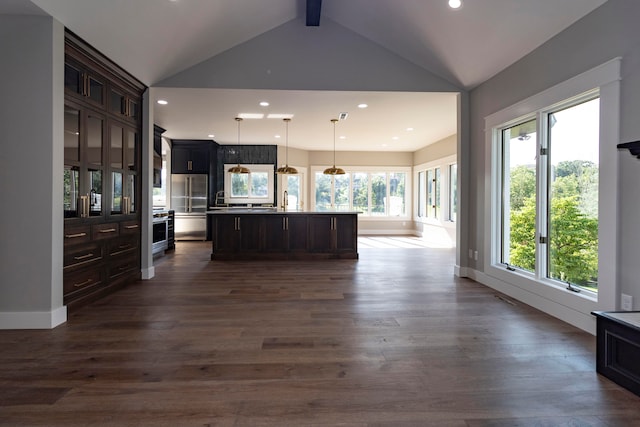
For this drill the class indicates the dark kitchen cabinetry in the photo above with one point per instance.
(333, 233)
(284, 235)
(102, 128)
(236, 233)
(190, 157)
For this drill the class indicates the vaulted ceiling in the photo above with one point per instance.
(156, 39)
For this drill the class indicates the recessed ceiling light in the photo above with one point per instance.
(455, 4)
(264, 104)
(409, 129)
(395, 138)
(162, 102)
(342, 137)
(363, 105)
(211, 135)
(384, 145)
(276, 136)
(250, 115)
(279, 116)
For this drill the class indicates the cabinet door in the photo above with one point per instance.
(321, 234)
(275, 233)
(225, 233)
(298, 233)
(199, 160)
(346, 232)
(249, 228)
(180, 160)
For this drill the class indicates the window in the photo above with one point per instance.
(550, 193)
(255, 187)
(374, 193)
(422, 194)
(570, 153)
(453, 192)
(437, 191)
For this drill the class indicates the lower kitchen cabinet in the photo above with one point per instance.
(284, 235)
(98, 258)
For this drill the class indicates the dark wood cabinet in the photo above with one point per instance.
(102, 128)
(190, 157)
(283, 235)
(333, 233)
(237, 233)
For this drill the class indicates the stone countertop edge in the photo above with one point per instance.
(271, 211)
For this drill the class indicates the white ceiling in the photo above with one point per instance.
(154, 39)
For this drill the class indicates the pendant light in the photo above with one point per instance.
(286, 169)
(238, 168)
(334, 170)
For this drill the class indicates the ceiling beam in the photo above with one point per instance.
(313, 12)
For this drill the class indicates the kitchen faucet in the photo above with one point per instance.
(285, 200)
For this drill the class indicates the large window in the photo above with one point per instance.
(375, 193)
(550, 193)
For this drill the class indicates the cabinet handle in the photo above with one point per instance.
(107, 230)
(238, 218)
(73, 236)
(284, 223)
(287, 222)
(131, 227)
(126, 246)
(78, 258)
(189, 165)
(85, 283)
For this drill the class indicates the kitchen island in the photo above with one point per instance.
(271, 233)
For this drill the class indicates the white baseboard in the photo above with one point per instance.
(394, 232)
(33, 319)
(148, 273)
(584, 321)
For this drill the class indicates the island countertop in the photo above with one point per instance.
(275, 233)
(272, 210)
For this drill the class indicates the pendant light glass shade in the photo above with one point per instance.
(238, 168)
(286, 169)
(334, 170)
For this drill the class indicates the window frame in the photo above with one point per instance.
(546, 294)
(443, 212)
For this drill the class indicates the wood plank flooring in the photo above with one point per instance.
(391, 339)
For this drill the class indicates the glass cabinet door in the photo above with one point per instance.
(116, 193)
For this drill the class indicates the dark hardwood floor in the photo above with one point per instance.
(391, 339)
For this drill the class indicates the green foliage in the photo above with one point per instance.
(573, 222)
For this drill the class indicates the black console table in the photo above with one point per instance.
(618, 347)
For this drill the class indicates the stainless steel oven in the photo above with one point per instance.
(160, 231)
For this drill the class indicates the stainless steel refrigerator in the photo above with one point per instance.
(189, 200)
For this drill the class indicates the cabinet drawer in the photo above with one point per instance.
(123, 265)
(76, 234)
(122, 245)
(105, 231)
(130, 227)
(80, 280)
(82, 256)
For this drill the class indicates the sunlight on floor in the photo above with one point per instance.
(402, 242)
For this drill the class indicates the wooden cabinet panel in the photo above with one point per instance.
(190, 157)
(101, 174)
(274, 235)
(82, 256)
(321, 238)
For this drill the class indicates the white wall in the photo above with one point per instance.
(31, 164)
(608, 32)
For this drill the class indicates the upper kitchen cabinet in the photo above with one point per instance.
(102, 174)
(190, 156)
